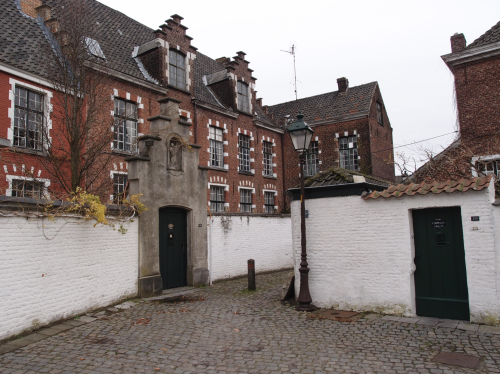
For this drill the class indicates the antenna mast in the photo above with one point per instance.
(292, 52)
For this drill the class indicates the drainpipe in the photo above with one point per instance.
(210, 249)
(195, 125)
(283, 170)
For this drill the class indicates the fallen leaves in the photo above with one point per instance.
(142, 321)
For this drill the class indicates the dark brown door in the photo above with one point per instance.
(173, 247)
(440, 275)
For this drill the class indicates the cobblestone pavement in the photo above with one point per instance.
(232, 330)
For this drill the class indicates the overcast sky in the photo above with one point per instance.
(397, 43)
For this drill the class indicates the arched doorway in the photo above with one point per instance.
(173, 247)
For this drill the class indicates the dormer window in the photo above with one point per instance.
(177, 69)
(94, 48)
(243, 102)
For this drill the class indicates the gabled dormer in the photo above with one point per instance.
(168, 59)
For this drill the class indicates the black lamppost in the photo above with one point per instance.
(301, 135)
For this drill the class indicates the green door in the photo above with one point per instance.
(173, 244)
(440, 275)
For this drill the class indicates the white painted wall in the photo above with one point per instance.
(361, 252)
(55, 270)
(235, 239)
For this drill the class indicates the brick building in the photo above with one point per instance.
(476, 70)
(243, 144)
(351, 130)
(240, 145)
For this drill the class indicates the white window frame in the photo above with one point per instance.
(111, 175)
(483, 159)
(264, 190)
(217, 142)
(10, 178)
(47, 108)
(252, 192)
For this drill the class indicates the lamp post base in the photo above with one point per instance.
(305, 308)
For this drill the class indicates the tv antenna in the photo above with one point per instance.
(292, 52)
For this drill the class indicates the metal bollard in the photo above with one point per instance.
(251, 275)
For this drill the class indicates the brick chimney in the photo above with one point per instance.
(259, 101)
(458, 42)
(343, 84)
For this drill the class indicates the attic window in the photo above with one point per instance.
(94, 48)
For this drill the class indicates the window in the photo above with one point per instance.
(269, 202)
(27, 188)
(244, 152)
(94, 48)
(177, 69)
(216, 147)
(380, 114)
(120, 187)
(311, 166)
(246, 201)
(28, 119)
(243, 103)
(125, 126)
(348, 149)
(216, 199)
(268, 159)
(489, 168)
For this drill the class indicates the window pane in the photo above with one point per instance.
(244, 152)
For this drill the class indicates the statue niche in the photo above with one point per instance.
(174, 154)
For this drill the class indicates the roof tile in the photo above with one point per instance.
(423, 188)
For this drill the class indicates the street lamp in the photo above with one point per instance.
(301, 135)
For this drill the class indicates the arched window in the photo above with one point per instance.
(177, 69)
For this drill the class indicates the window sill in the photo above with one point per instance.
(178, 89)
(246, 173)
(245, 113)
(269, 177)
(124, 153)
(28, 151)
(216, 168)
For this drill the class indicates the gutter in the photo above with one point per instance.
(335, 190)
(473, 54)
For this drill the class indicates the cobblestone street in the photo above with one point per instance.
(232, 330)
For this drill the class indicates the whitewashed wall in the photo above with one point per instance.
(234, 239)
(361, 252)
(55, 270)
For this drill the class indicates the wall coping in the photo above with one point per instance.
(228, 214)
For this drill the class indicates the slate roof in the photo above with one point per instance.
(22, 36)
(490, 36)
(204, 65)
(412, 189)
(117, 35)
(337, 175)
(329, 105)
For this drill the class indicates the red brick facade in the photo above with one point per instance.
(476, 70)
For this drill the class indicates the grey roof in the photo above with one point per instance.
(490, 36)
(204, 65)
(117, 35)
(217, 77)
(329, 105)
(337, 175)
(22, 36)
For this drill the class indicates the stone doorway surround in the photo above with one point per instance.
(167, 173)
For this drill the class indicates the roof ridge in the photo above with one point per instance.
(326, 93)
(436, 187)
(481, 38)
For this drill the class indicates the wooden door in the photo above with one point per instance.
(440, 275)
(173, 247)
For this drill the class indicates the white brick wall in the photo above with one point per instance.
(236, 239)
(47, 275)
(361, 252)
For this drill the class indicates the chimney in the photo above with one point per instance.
(265, 108)
(458, 42)
(28, 7)
(343, 84)
(259, 101)
(177, 18)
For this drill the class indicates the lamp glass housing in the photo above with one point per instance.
(300, 134)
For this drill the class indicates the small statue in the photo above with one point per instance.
(173, 150)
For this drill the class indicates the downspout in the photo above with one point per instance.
(210, 249)
(283, 170)
(195, 124)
